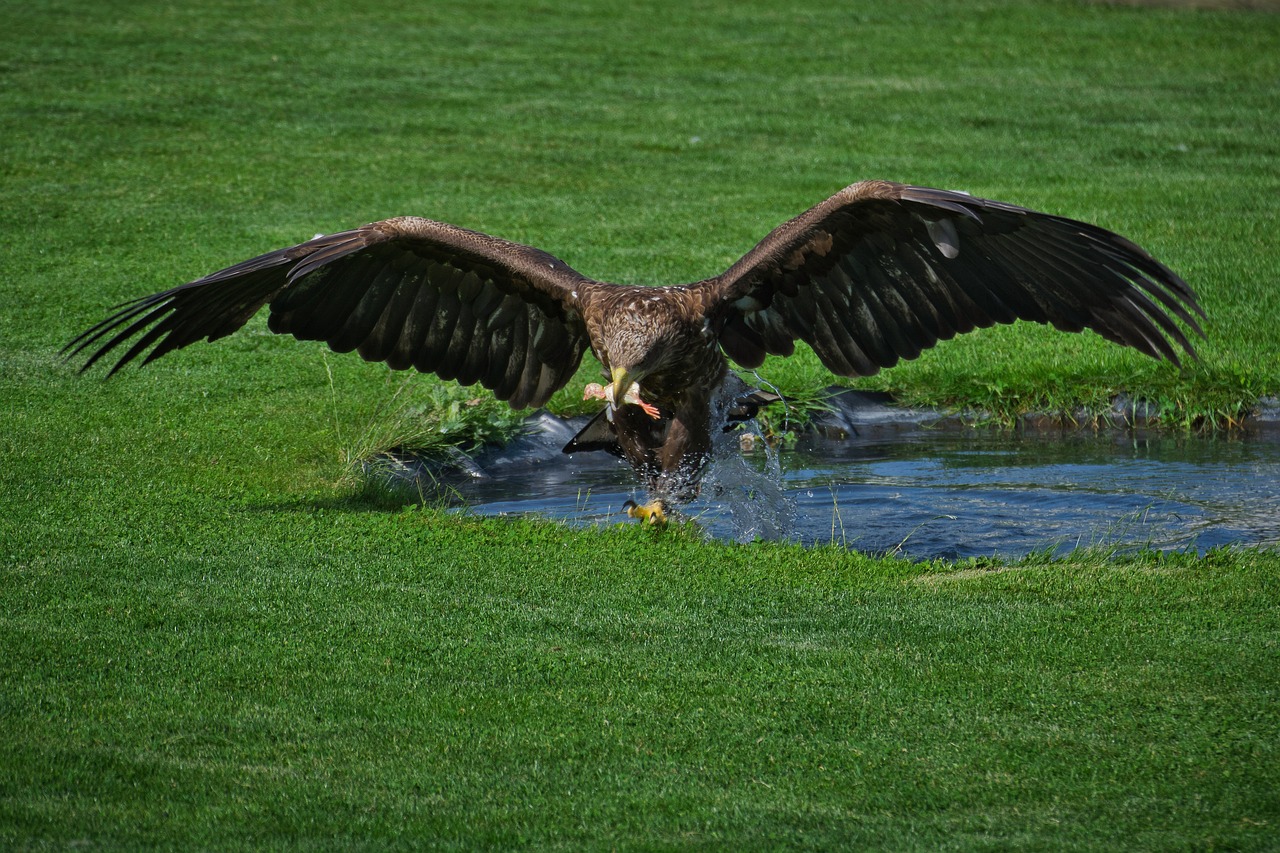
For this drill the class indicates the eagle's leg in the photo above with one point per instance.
(670, 455)
(640, 438)
(683, 456)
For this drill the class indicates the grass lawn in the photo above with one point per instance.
(209, 638)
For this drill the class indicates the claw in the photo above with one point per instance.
(651, 513)
(649, 409)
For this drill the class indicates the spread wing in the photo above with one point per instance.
(881, 271)
(409, 292)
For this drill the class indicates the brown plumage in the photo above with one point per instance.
(876, 273)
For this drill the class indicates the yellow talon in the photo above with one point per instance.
(650, 513)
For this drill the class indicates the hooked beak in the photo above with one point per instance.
(622, 382)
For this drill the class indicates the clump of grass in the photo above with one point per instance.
(423, 417)
(781, 422)
(1204, 403)
(1216, 394)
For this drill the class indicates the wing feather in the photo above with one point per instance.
(881, 271)
(407, 291)
(954, 309)
(379, 344)
(379, 289)
(514, 372)
(435, 355)
(530, 374)
(826, 340)
(412, 334)
(1135, 321)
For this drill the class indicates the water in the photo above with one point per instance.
(941, 493)
(951, 495)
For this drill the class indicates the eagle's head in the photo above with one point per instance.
(637, 344)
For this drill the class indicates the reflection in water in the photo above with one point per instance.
(943, 494)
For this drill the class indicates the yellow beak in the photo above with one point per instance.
(622, 382)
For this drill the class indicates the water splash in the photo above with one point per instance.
(743, 481)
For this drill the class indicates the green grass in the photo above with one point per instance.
(315, 675)
(153, 144)
(210, 638)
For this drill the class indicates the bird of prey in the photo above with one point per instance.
(876, 273)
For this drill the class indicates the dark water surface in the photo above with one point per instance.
(944, 493)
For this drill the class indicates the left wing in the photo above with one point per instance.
(881, 271)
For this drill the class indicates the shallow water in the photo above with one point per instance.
(942, 493)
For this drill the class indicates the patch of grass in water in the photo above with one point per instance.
(422, 417)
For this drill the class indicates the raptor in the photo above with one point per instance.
(876, 273)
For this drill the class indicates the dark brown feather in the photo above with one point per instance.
(379, 288)
(406, 291)
(379, 344)
(514, 371)
(904, 267)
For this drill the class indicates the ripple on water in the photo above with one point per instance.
(942, 494)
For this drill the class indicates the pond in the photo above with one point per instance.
(929, 493)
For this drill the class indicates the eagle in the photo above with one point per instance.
(877, 273)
